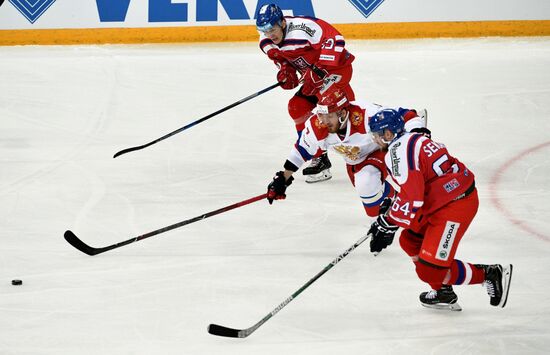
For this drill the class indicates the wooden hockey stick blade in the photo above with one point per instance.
(73, 240)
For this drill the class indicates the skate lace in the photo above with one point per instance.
(490, 288)
(315, 162)
(431, 294)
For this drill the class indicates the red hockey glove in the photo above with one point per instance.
(381, 233)
(313, 82)
(276, 189)
(287, 77)
(276, 55)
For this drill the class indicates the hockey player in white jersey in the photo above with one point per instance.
(343, 127)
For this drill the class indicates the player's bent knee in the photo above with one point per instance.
(410, 243)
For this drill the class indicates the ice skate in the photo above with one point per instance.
(444, 299)
(497, 282)
(318, 170)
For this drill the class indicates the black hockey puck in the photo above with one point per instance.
(16, 282)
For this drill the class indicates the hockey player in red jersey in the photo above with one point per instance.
(436, 202)
(314, 49)
(343, 126)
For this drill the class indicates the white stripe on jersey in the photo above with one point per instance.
(417, 146)
(288, 47)
(269, 46)
(303, 28)
(404, 221)
(397, 158)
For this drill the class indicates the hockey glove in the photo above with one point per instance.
(276, 55)
(423, 131)
(381, 233)
(287, 77)
(276, 189)
(313, 82)
(385, 206)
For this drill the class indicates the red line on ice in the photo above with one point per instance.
(495, 199)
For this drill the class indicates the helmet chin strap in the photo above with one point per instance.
(343, 120)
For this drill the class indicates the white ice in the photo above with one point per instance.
(64, 112)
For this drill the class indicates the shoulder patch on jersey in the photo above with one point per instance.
(356, 118)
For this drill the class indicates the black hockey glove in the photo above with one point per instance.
(385, 206)
(276, 189)
(423, 131)
(381, 233)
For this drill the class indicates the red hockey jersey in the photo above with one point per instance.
(310, 41)
(427, 176)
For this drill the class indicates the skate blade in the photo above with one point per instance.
(322, 176)
(506, 279)
(444, 306)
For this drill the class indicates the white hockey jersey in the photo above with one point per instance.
(355, 145)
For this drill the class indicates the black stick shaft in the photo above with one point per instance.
(127, 150)
(243, 333)
(83, 247)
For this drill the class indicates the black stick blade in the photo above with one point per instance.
(222, 331)
(73, 240)
(128, 150)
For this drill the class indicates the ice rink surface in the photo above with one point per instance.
(64, 112)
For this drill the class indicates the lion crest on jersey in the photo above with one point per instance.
(352, 153)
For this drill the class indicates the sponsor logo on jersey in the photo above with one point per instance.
(301, 27)
(32, 9)
(447, 240)
(451, 185)
(356, 118)
(395, 159)
(352, 153)
(327, 57)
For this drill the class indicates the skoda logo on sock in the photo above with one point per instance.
(31, 9)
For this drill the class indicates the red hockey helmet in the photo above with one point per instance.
(332, 101)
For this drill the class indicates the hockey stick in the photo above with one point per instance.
(85, 248)
(127, 150)
(220, 330)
